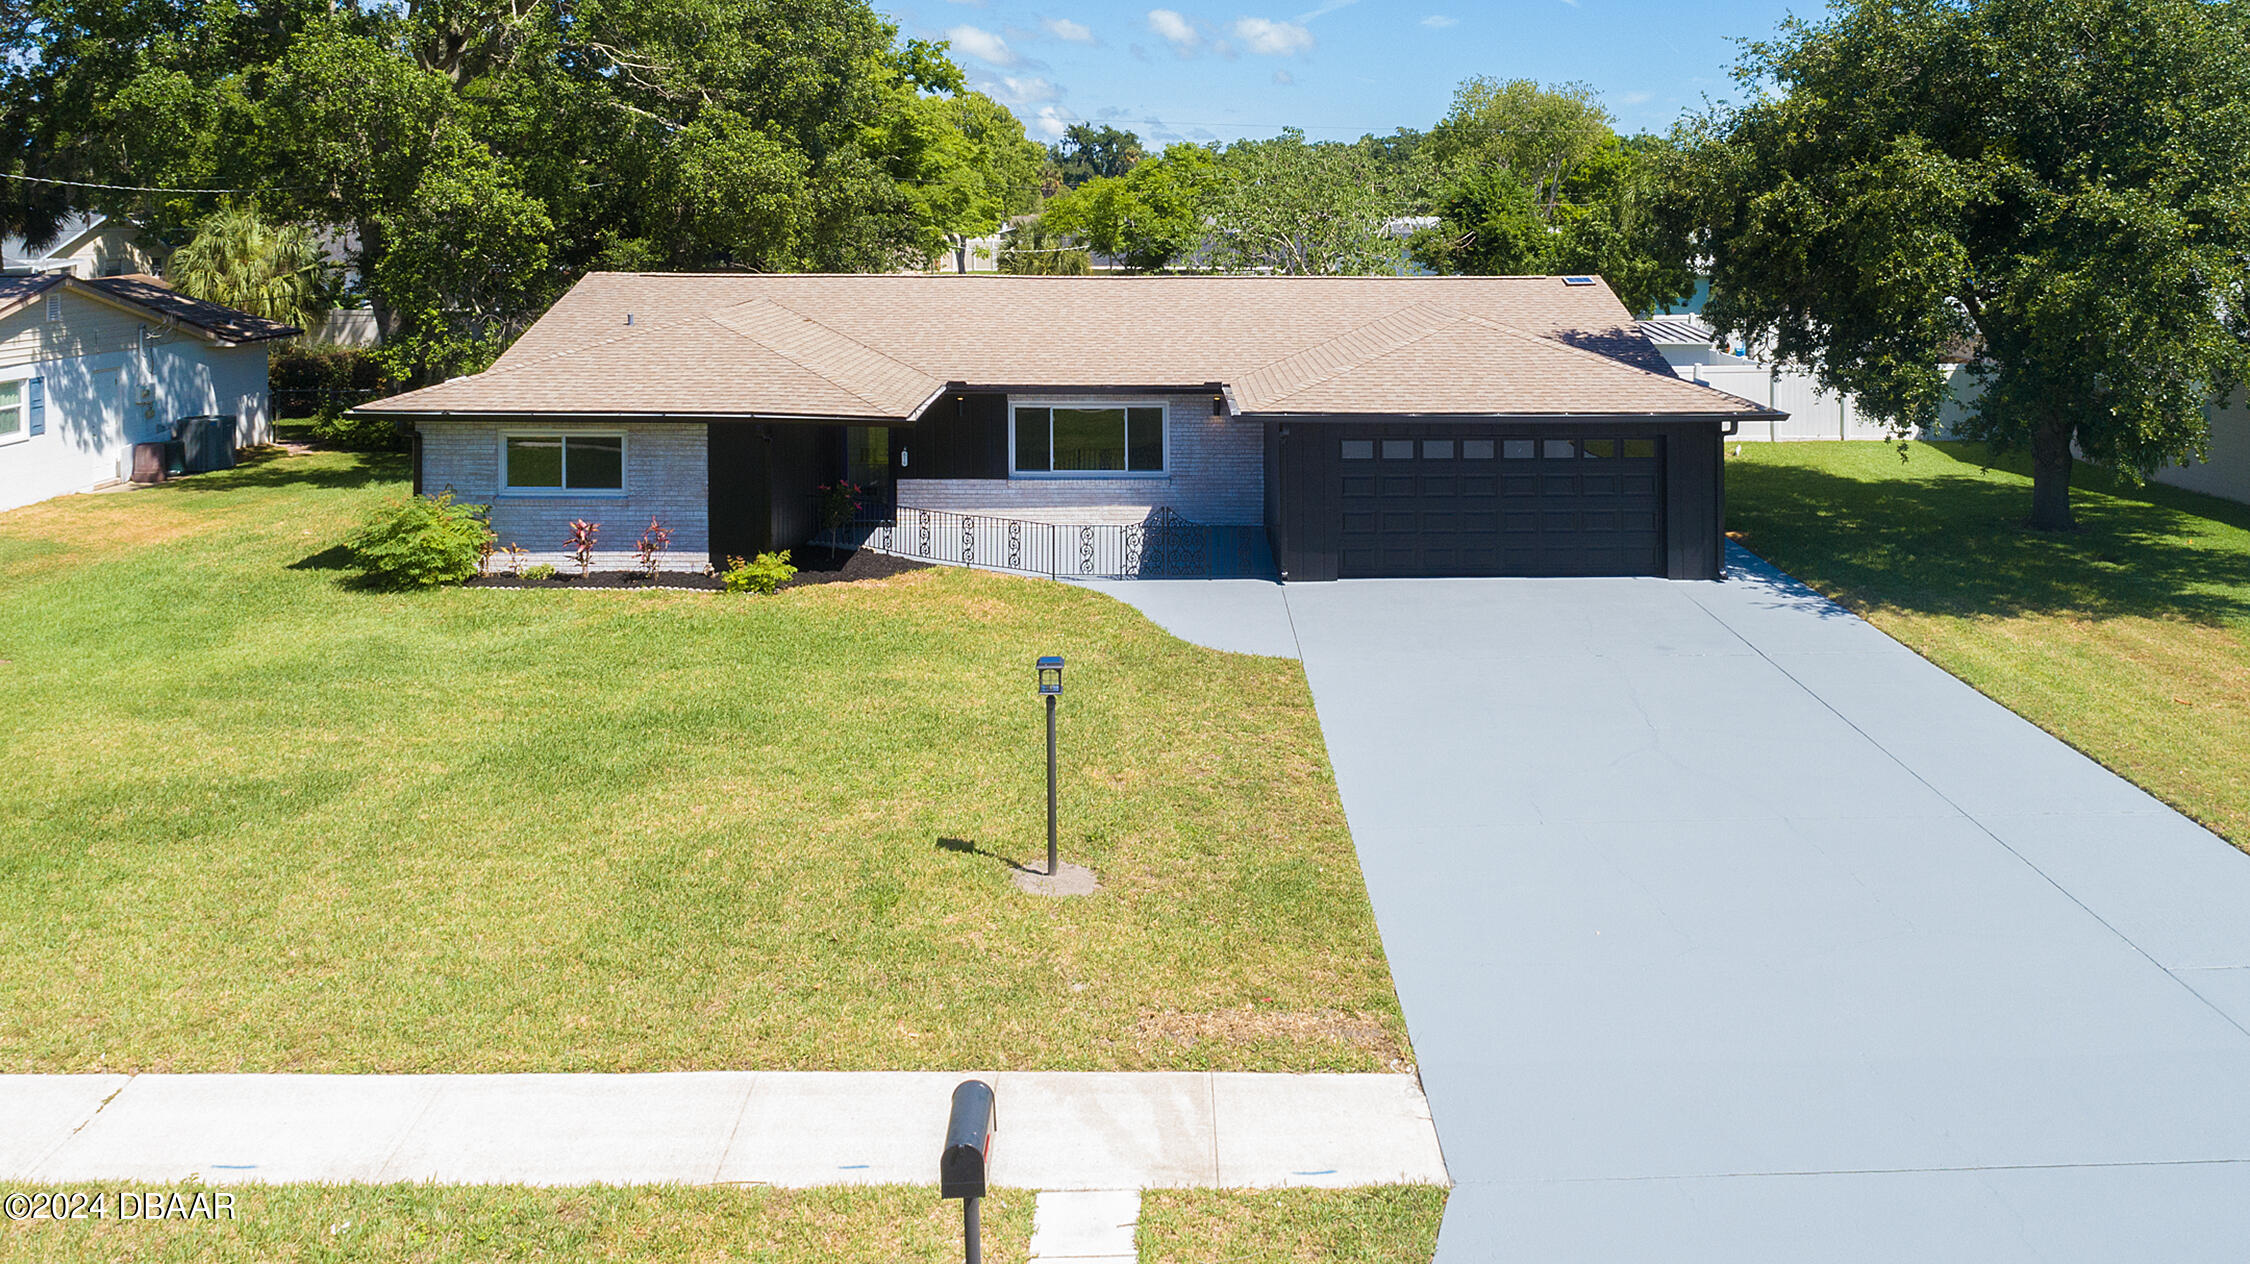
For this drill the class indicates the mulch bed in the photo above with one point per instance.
(819, 567)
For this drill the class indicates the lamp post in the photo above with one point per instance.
(1050, 688)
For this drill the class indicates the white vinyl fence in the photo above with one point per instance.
(1813, 412)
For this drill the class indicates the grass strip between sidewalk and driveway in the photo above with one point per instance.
(2128, 639)
(1383, 1224)
(261, 820)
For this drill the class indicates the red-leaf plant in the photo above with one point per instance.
(582, 544)
(654, 542)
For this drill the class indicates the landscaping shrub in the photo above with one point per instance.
(420, 541)
(763, 576)
(545, 570)
(581, 544)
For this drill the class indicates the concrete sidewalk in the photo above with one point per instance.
(1057, 1130)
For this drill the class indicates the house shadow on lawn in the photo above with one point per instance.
(271, 467)
(1944, 534)
(966, 848)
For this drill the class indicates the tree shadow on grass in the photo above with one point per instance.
(965, 847)
(271, 468)
(1944, 535)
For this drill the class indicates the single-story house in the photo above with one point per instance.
(90, 366)
(1373, 426)
(84, 245)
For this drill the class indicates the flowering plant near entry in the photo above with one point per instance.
(839, 503)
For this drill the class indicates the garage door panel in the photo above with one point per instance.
(1429, 505)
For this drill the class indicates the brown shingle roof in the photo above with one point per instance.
(881, 347)
(150, 295)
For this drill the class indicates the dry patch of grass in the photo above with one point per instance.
(1389, 1224)
(426, 1224)
(1250, 1025)
(264, 821)
(2129, 639)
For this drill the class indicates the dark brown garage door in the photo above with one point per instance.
(1468, 504)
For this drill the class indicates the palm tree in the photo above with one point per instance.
(244, 261)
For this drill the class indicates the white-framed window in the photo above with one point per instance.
(566, 463)
(15, 410)
(1088, 438)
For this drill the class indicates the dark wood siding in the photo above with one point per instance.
(962, 436)
(740, 491)
(1695, 490)
(1651, 508)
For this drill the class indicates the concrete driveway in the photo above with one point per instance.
(1728, 929)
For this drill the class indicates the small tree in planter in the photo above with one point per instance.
(839, 504)
(582, 535)
(654, 542)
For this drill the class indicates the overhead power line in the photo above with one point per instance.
(144, 188)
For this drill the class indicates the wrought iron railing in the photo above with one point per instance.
(1163, 545)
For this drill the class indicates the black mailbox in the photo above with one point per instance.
(968, 1141)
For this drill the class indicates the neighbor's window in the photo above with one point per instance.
(566, 462)
(11, 412)
(1089, 439)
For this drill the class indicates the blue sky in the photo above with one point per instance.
(1197, 70)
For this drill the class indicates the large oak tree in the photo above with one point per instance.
(2063, 185)
(471, 157)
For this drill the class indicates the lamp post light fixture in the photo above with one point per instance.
(1050, 687)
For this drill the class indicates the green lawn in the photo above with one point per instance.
(425, 1224)
(1389, 1224)
(2129, 639)
(260, 820)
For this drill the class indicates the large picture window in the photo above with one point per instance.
(1089, 438)
(553, 463)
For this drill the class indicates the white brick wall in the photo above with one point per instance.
(1217, 476)
(665, 477)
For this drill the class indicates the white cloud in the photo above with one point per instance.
(982, 45)
(1051, 122)
(1283, 78)
(1637, 98)
(1274, 39)
(1325, 8)
(1029, 90)
(1439, 21)
(1175, 30)
(1069, 31)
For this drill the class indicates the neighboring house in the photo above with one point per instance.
(89, 367)
(346, 327)
(1372, 426)
(86, 246)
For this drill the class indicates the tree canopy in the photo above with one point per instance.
(2063, 185)
(1150, 217)
(239, 259)
(1087, 152)
(1532, 180)
(475, 157)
